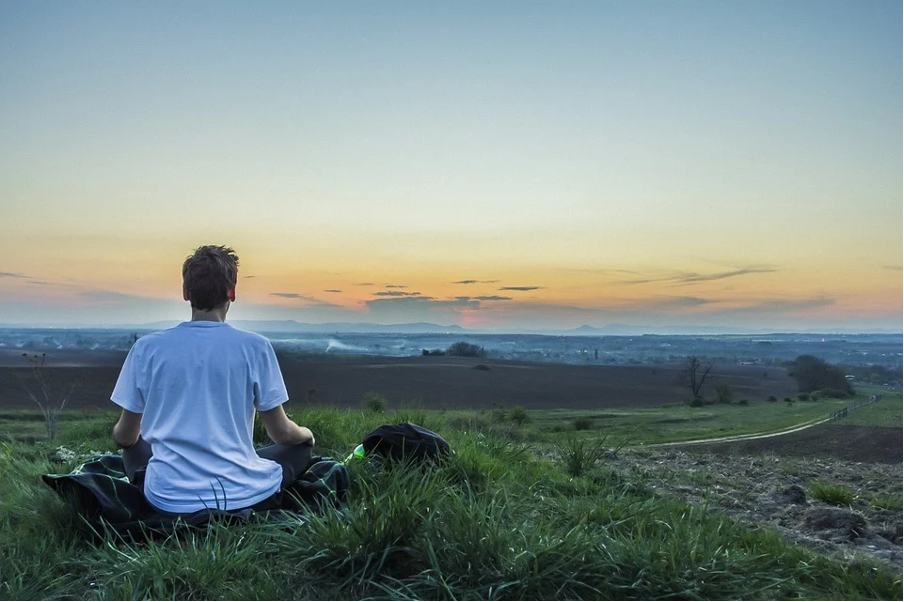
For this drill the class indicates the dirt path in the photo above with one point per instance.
(732, 438)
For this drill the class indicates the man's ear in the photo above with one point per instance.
(184, 293)
(231, 294)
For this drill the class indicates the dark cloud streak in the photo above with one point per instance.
(476, 282)
(397, 294)
(692, 277)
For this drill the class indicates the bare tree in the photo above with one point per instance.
(694, 373)
(49, 395)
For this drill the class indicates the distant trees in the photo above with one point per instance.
(814, 374)
(463, 349)
(694, 373)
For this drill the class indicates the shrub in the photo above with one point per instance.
(519, 415)
(723, 392)
(463, 349)
(584, 423)
(580, 454)
(789, 400)
(772, 398)
(427, 352)
(498, 415)
(373, 402)
(483, 367)
(834, 393)
(697, 402)
(743, 402)
(804, 397)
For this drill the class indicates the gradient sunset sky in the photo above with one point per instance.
(497, 165)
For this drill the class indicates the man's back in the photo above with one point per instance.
(198, 386)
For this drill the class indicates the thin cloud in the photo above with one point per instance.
(782, 305)
(111, 297)
(247, 277)
(37, 282)
(520, 288)
(893, 268)
(665, 303)
(691, 277)
(363, 284)
(484, 298)
(396, 286)
(311, 302)
(332, 290)
(397, 294)
(724, 275)
(475, 282)
(12, 275)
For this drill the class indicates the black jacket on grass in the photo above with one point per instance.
(101, 493)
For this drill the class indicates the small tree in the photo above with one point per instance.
(48, 394)
(723, 392)
(813, 374)
(694, 373)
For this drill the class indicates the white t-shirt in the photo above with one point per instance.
(198, 386)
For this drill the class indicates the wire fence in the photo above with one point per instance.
(843, 412)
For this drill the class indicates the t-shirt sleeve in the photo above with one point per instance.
(269, 387)
(127, 392)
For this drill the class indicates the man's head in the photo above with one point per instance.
(209, 276)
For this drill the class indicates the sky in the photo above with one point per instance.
(504, 166)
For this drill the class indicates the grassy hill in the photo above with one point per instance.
(507, 518)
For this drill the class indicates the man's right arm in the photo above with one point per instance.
(282, 430)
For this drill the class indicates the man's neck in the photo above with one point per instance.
(217, 314)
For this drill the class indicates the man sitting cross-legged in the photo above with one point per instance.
(188, 397)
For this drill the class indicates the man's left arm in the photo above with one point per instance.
(127, 429)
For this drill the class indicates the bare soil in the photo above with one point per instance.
(430, 382)
(770, 481)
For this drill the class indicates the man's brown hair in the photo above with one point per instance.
(208, 274)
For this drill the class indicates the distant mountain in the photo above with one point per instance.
(610, 329)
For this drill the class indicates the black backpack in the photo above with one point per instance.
(406, 442)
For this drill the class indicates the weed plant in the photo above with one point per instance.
(836, 495)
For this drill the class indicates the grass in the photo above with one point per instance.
(836, 495)
(495, 522)
(888, 411)
(680, 422)
(888, 501)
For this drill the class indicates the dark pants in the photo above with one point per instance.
(293, 459)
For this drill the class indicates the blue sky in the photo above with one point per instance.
(727, 163)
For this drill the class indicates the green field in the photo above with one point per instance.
(680, 422)
(888, 411)
(495, 522)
